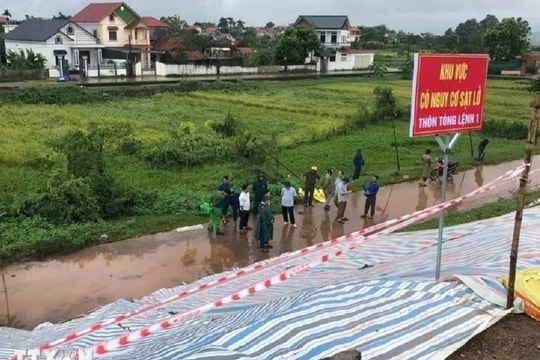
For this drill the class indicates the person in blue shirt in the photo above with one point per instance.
(370, 192)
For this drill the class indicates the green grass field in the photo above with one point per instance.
(305, 114)
(298, 111)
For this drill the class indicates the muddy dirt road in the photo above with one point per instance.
(64, 287)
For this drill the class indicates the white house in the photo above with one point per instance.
(336, 36)
(333, 30)
(344, 59)
(59, 41)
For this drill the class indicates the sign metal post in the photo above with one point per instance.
(448, 97)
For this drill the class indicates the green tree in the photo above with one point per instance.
(489, 22)
(470, 37)
(385, 105)
(269, 25)
(177, 26)
(25, 59)
(295, 44)
(450, 41)
(262, 57)
(2, 46)
(7, 14)
(223, 25)
(509, 39)
(61, 16)
(377, 70)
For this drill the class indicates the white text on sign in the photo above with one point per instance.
(448, 121)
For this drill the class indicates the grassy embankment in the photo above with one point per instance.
(306, 115)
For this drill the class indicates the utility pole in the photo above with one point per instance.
(523, 181)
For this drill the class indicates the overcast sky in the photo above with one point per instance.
(409, 15)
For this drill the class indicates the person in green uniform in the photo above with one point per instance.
(226, 190)
(214, 214)
(264, 231)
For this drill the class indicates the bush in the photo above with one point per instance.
(505, 130)
(72, 201)
(184, 153)
(255, 151)
(35, 238)
(62, 94)
(385, 105)
(180, 203)
(228, 128)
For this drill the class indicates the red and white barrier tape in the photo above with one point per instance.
(388, 225)
(124, 340)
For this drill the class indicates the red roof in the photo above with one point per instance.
(94, 13)
(168, 44)
(134, 24)
(246, 50)
(153, 22)
(194, 55)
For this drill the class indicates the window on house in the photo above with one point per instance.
(344, 39)
(333, 38)
(58, 40)
(323, 38)
(136, 34)
(113, 35)
(333, 58)
(111, 17)
(95, 33)
(70, 30)
(343, 57)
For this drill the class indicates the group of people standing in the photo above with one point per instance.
(240, 204)
(335, 189)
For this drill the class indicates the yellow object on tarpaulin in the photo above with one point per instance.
(318, 195)
(527, 288)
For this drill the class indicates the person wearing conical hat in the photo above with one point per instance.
(310, 180)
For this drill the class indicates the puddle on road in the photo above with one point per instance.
(66, 286)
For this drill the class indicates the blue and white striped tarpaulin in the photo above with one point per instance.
(379, 298)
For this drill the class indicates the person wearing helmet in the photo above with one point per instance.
(310, 180)
(328, 187)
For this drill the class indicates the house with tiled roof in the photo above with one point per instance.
(64, 44)
(335, 34)
(333, 30)
(158, 29)
(123, 32)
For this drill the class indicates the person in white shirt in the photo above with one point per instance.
(342, 192)
(288, 194)
(244, 208)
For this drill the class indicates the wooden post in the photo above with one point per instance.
(522, 192)
(6, 296)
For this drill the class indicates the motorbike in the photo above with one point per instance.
(437, 172)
